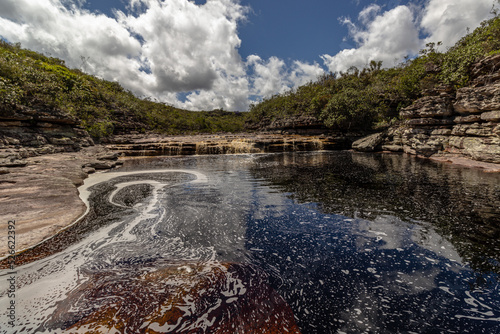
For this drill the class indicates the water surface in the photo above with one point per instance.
(323, 242)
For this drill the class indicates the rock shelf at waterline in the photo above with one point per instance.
(158, 145)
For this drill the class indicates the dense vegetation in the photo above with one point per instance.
(372, 97)
(360, 99)
(31, 79)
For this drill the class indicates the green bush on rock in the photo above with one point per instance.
(363, 99)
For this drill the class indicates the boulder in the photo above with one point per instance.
(369, 143)
(393, 148)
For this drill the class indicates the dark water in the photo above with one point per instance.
(331, 242)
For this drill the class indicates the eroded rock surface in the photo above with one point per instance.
(26, 132)
(369, 143)
(154, 145)
(465, 123)
(42, 196)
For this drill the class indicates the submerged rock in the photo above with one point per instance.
(208, 297)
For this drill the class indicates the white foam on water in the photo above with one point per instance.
(41, 285)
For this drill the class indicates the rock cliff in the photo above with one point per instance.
(27, 132)
(300, 124)
(445, 122)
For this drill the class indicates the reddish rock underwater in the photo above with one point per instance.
(186, 298)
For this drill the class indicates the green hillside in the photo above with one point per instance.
(362, 99)
(359, 99)
(31, 79)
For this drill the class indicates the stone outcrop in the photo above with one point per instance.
(27, 132)
(41, 195)
(369, 143)
(300, 124)
(465, 123)
(155, 145)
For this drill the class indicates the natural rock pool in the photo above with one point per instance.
(323, 242)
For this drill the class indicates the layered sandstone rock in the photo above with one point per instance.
(41, 195)
(464, 123)
(300, 124)
(27, 132)
(155, 145)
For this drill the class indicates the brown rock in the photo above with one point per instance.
(486, 70)
(478, 99)
(145, 301)
(467, 119)
(220, 144)
(441, 132)
(369, 143)
(11, 124)
(428, 106)
(428, 121)
(482, 149)
(42, 196)
(491, 116)
(11, 141)
(88, 170)
(393, 148)
(38, 203)
(496, 130)
(61, 141)
(8, 162)
(476, 129)
(100, 165)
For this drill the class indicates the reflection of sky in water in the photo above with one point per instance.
(355, 275)
(345, 256)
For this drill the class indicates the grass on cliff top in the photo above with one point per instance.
(371, 97)
(31, 79)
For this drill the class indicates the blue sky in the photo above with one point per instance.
(208, 54)
(288, 29)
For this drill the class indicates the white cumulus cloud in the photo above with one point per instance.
(447, 21)
(274, 76)
(157, 49)
(188, 55)
(388, 37)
